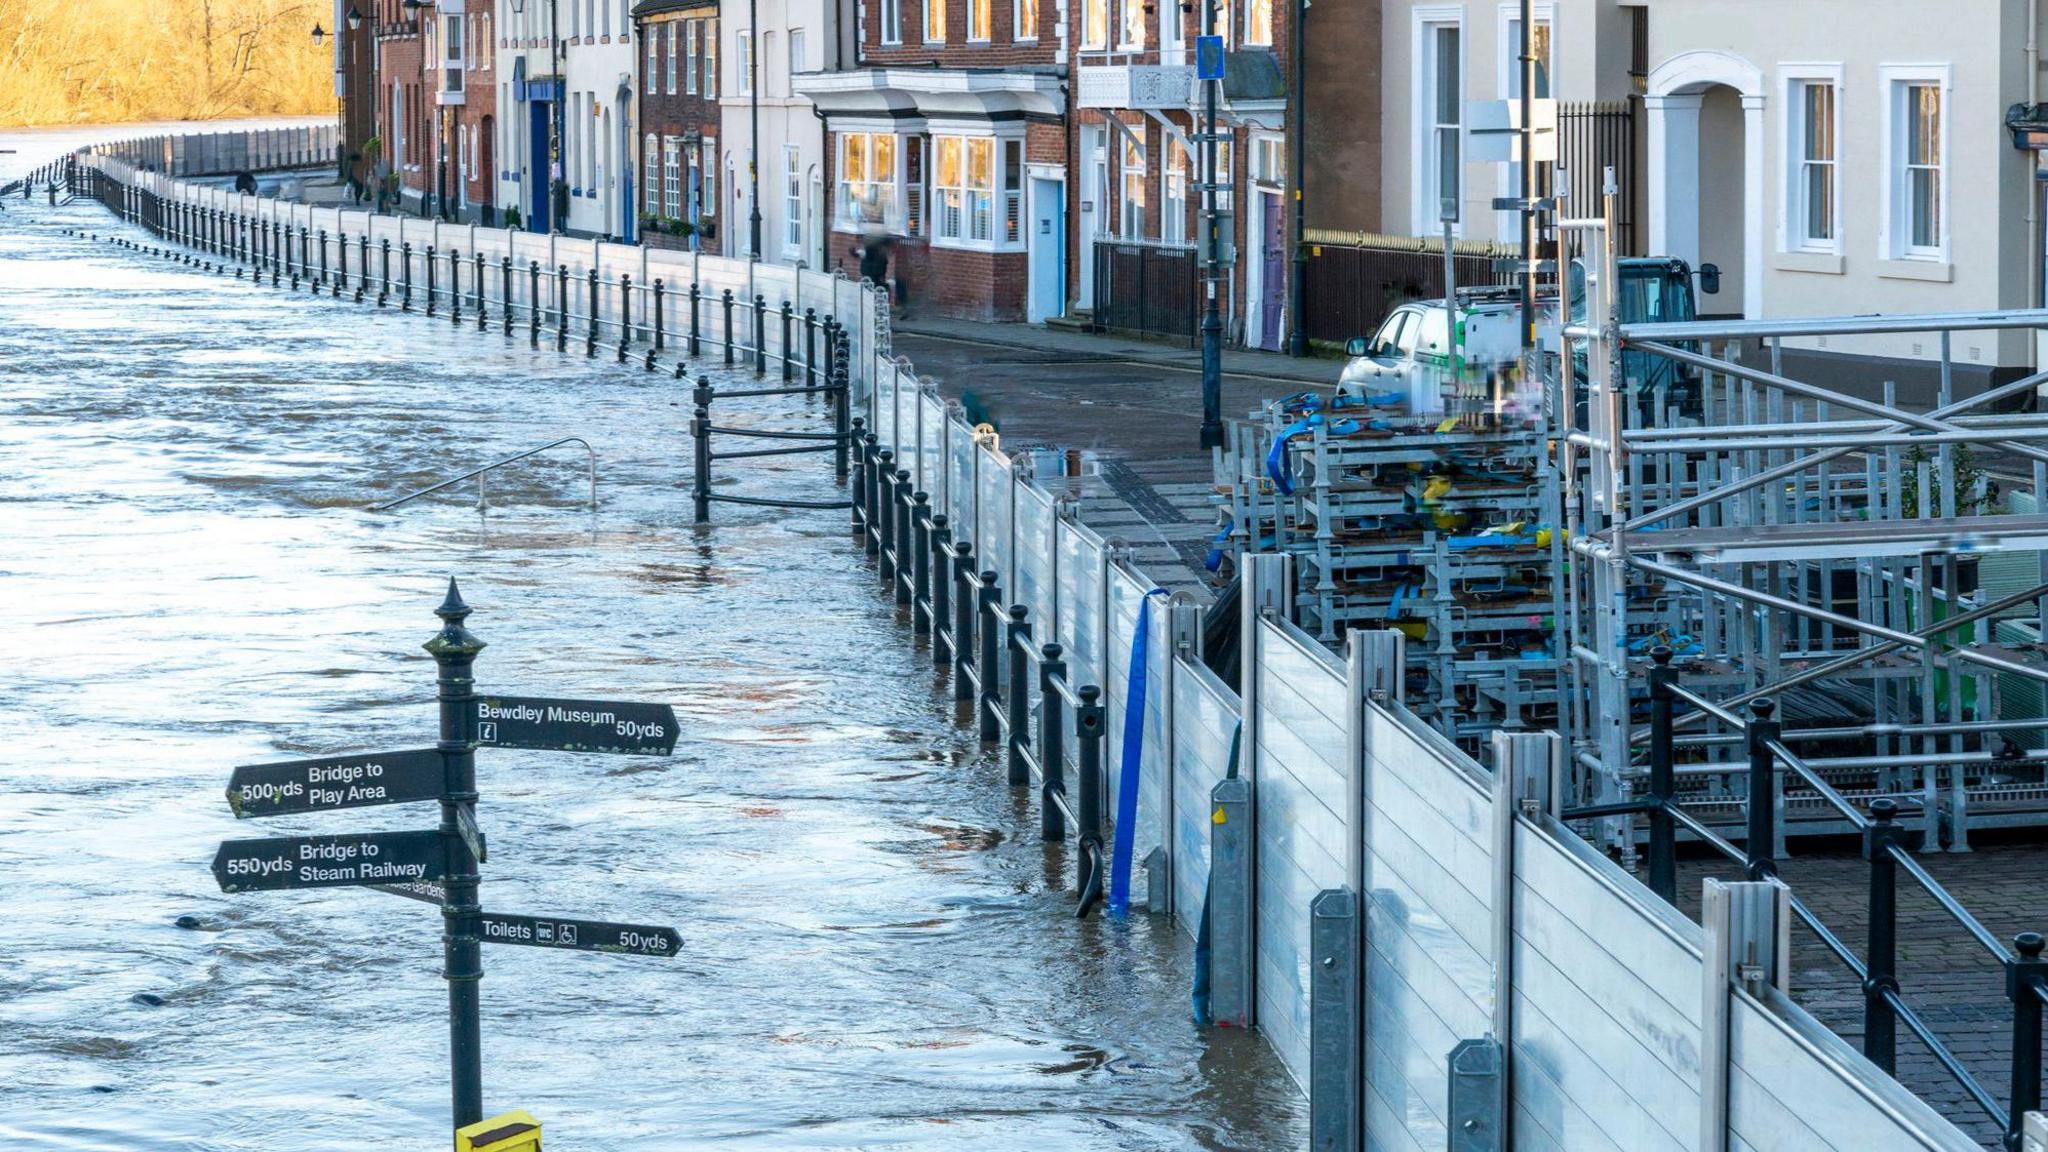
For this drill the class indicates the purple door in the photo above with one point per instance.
(1273, 281)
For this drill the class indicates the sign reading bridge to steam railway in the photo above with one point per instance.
(574, 725)
(440, 866)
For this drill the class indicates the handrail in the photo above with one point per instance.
(1949, 903)
(499, 464)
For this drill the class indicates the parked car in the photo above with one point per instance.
(1425, 361)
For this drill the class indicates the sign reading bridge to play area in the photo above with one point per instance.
(574, 725)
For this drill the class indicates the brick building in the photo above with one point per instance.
(679, 122)
(475, 170)
(355, 47)
(405, 106)
(951, 138)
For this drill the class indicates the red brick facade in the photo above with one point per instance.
(406, 152)
(679, 120)
(476, 143)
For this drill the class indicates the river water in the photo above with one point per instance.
(878, 953)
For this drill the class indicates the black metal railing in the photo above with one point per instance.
(1349, 289)
(838, 441)
(1887, 847)
(995, 664)
(1147, 288)
(1591, 139)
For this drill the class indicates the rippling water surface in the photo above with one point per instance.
(878, 952)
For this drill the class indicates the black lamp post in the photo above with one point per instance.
(435, 202)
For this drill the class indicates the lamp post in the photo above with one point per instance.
(340, 109)
(1212, 231)
(754, 116)
(354, 20)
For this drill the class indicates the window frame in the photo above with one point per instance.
(934, 21)
(672, 177)
(1092, 39)
(1131, 176)
(1895, 221)
(692, 32)
(983, 206)
(892, 22)
(1173, 193)
(1508, 70)
(792, 202)
(1794, 227)
(981, 13)
(1426, 182)
(1258, 14)
(1024, 21)
(743, 63)
(651, 144)
(1130, 28)
(889, 184)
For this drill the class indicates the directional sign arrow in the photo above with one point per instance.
(580, 935)
(573, 725)
(327, 861)
(335, 782)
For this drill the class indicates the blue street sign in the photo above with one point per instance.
(1208, 57)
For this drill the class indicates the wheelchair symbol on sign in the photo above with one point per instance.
(487, 733)
(567, 934)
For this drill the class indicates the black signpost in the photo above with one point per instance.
(440, 866)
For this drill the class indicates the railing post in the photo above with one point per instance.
(430, 279)
(847, 430)
(810, 347)
(482, 313)
(455, 287)
(1663, 833)
(533, 308)
(658, 318)
(990, 636)
(384, 280)
(940, 542)
(1881, 964)
(700, 434)
(725, 299)
(1763, 775)
(760, 335)
(1093, 875)
(306, 253)
(879, 459)
(788, 316)
(1052, 743)
(902, 540)
(561, 307)
(696, 317)
(963, 620)
(405, 258)
(590, 342)
(340, 280)
(1017, 644)
(505, 293)
(2023, 976)
(625, 314)
(882, 517)
(858, 486)
(280, 251)
(320, 281)
(920, 563)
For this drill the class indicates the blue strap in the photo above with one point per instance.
(1214, 560)
(1134, 757)
(1280, 467)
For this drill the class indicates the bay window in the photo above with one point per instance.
(867, 180)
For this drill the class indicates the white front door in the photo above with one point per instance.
(1094, 212)
(1046, 245)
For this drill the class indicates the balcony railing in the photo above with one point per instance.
(1135, 86)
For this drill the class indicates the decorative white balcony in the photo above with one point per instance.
(1135, 86)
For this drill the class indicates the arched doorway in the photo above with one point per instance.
(1706, 171)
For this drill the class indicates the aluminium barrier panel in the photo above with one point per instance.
(1126, 599)
(1036, 567)
(931, 456)
(962, 488)
(1082, 558)
(1298, 795)
(904, 435)
(1205, 720)
(992, 518)
(1428, 964)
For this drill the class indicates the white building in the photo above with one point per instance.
(794, 37)
(593, 83)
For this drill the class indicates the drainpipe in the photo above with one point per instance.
(2034, 189)
(1297, 334)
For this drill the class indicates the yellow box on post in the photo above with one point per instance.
(512, 1132)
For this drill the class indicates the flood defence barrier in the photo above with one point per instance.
(1438, 959)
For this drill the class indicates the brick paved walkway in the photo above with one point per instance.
(1954, 983)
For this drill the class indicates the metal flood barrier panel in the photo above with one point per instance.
(1298, 771)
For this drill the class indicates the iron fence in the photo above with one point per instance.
(1351, 286)
(1148, 288)
(1592, 138)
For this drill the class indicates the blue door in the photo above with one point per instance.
(540, 113)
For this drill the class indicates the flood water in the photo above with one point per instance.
(878, 953)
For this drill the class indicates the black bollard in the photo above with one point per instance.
(658, 321)
(430, 279)
(726, 299)
(700, 435)
(590, 343)
(504, 292)
(561, 307)
(482, 320)
(405, 260)
(810, 347)
(696, 298)
(533, 301)
(455, 287)
(625, 314)
(788, 316)
(760, 335)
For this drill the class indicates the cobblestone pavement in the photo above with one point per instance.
(1957, 987)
